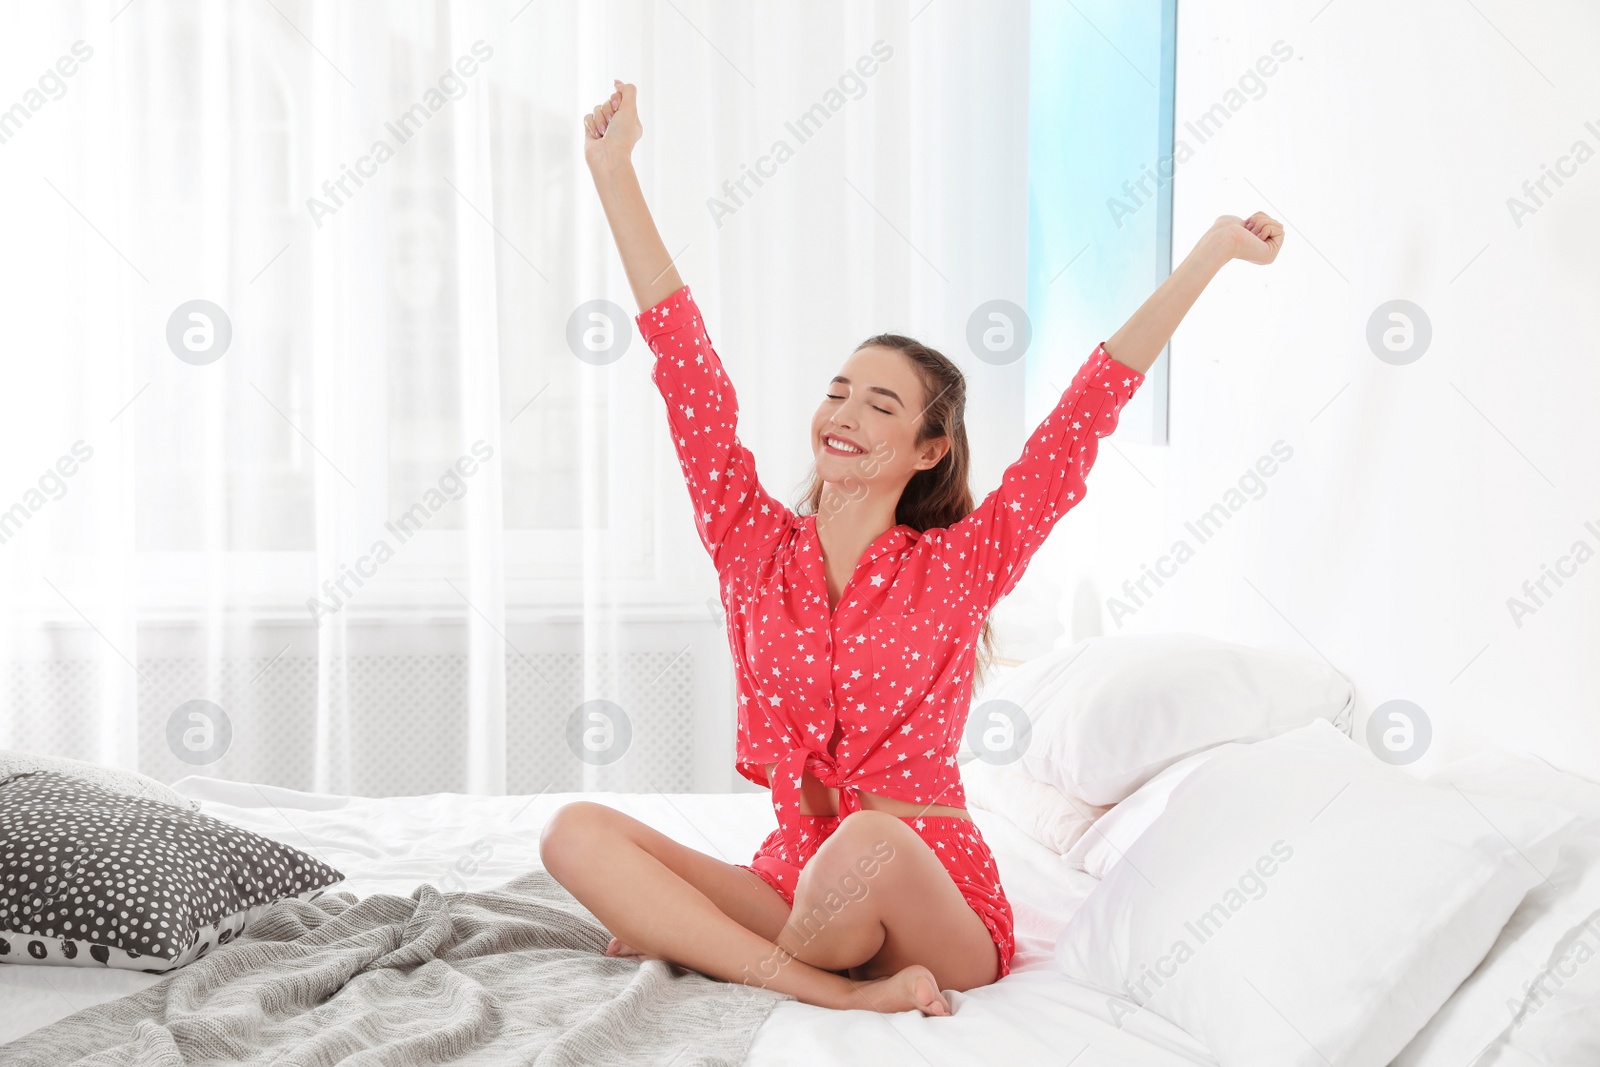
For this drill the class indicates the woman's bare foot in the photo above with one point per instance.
(621, 950)
(912, 987)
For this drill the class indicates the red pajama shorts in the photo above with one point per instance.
(957, 843)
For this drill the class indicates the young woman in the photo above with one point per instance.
(854, 627)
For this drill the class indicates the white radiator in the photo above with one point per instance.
(406, 718)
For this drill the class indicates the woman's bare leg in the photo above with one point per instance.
(608, 861)
(875, 892)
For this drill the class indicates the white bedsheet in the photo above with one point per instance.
(390, 845)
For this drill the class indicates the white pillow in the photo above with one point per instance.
(1109, 713)
(1533, 998)
(1301, 903)
(1037, 808)
(114, 779)
(1099, 849)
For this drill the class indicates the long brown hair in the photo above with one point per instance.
(939, 496)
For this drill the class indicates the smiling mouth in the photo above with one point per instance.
(840, 447)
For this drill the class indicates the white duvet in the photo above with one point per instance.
(390, 845)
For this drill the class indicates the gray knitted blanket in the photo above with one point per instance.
(512, 975)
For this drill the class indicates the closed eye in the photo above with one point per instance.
(874, 407)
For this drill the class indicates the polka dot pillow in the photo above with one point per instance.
(94, 878)
(128, 783)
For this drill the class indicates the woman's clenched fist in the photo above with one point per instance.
(612, 128)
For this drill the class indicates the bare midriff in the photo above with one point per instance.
(819, 799)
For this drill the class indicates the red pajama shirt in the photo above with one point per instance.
(873, 695)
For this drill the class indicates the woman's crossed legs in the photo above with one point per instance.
(877, 922)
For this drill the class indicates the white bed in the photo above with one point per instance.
(390, 845)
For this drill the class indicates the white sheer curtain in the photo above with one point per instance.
(405, 534)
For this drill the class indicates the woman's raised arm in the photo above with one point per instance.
(611, 131)
(991, 546)
(1146, 333)
(738, 520)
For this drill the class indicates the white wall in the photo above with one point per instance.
(1418, 498)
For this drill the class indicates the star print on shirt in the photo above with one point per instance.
(904, 632)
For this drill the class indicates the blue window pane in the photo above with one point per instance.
(1100, 128)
